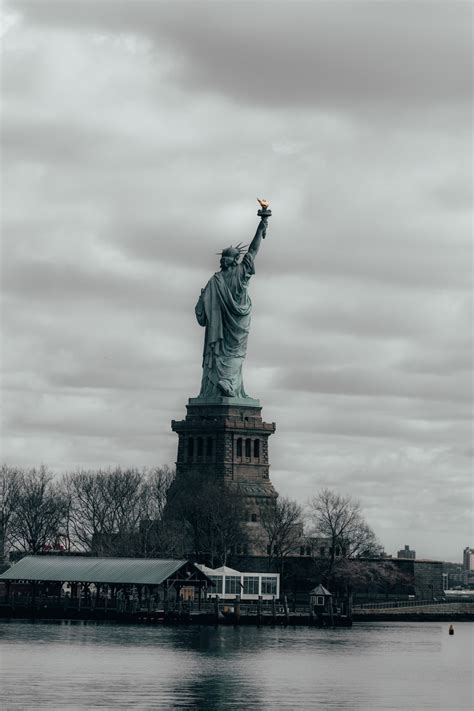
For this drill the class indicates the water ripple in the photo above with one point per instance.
(371, 667)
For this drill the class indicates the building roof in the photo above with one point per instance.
(225, 570)
(131, 571)
(320, 590)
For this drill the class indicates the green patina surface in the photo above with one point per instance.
(222, 400)
(224, 309)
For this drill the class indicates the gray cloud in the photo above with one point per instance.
(345, 53)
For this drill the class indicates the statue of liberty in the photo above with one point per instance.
(224, 308)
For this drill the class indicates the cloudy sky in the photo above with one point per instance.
(136, 138)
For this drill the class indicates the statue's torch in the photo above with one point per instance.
(264, 212)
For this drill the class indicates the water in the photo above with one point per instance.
(372, 666)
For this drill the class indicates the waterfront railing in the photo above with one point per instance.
(405, 603)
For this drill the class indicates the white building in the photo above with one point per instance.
(250, 586)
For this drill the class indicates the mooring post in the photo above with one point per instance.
(216, 609)
(287, 612)
(273, 609)
(237, 610)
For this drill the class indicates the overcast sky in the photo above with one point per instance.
(137, 136)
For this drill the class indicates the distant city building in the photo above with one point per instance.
(428, 578)
(407, 553)
(452, 576)
(468, 567)
(468, 559)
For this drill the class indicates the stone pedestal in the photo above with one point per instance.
(225, 438)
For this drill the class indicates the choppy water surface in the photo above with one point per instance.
(373, 666)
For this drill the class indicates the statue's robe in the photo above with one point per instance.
(224, 310)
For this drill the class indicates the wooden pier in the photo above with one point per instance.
(208, 613)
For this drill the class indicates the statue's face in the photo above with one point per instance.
(227, 262)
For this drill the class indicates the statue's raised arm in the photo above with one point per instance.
(264, 213)
(224, 308)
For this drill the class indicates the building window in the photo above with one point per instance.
(239, 447)
(319, 600)
(269, 585)
(232, 585)
(250, 585)
(253, 517)
(256, 448)
(209, 447)
(322, 551)
(200, 447)
(308, 550)
(217, 580)
(248, 448)
(245, 549)
(190, 448)
(269, 549)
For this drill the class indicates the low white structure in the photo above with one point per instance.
(250, 586)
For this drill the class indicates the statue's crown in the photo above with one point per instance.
(233, 251)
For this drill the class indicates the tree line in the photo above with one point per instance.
(105, 512)
(148, 513)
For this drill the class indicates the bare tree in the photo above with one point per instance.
(283, 525)
(156, 537)
(10, 478)
(40, 509)
(106, 509)
(339, 519)
(222, 522)
(363, 574)
(89, 509)
(126, 492)
(159, 481)
(210, 515)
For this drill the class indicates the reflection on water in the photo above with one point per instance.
(373, 666)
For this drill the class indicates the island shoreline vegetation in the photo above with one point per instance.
(144, 513)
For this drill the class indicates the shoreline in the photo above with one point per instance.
(415, 617)
(205, 620)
